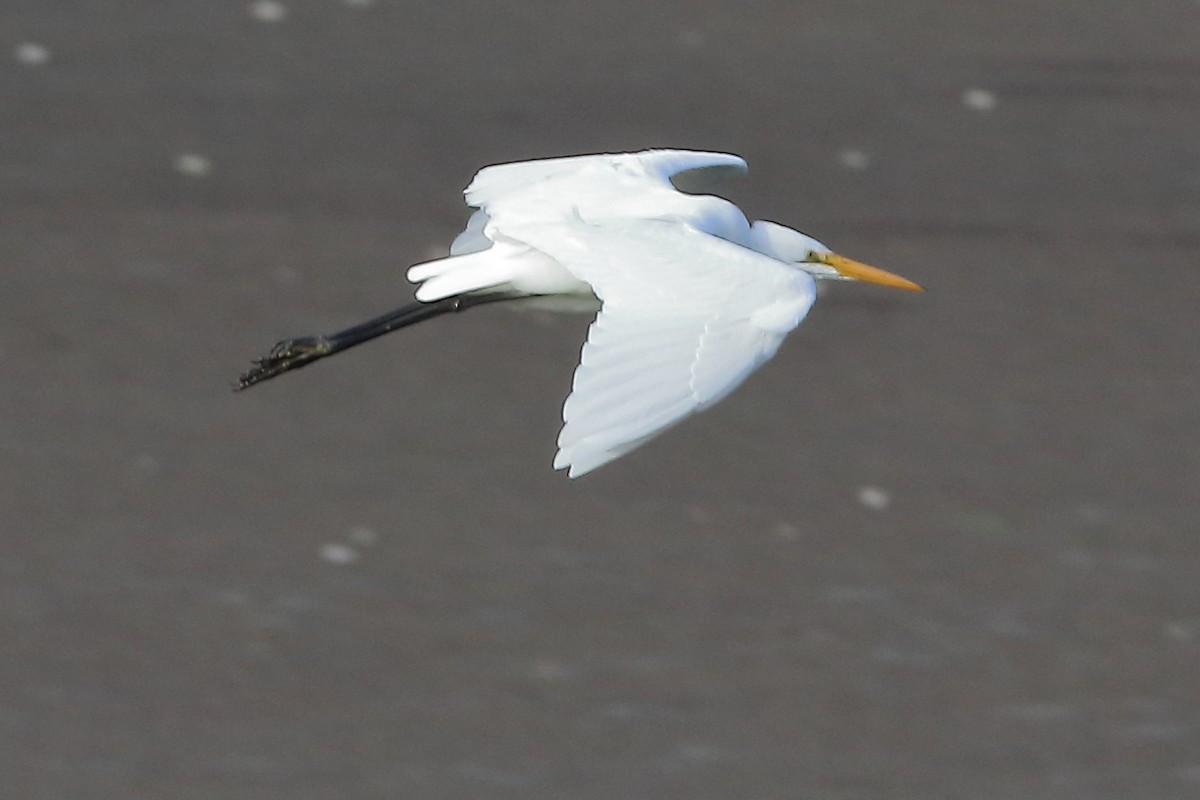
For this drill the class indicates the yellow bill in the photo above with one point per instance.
(864, 272)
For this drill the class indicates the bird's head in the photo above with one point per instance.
(786, 244)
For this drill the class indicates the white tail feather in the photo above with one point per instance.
(473, 272)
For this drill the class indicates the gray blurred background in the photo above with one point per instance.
(943, 546)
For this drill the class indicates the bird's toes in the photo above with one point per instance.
(286, 355)
(303, 348)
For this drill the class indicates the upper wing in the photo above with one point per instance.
(686, 317)
(688, 170)
(551, 192)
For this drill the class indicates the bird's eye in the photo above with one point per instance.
(810, 256)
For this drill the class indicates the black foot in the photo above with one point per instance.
(287, 355)
(295, 353)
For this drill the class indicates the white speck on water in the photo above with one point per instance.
(1008, 623)
(362, 535)
(1039, 713)
(902, 656)
(1182, 632)
(283, 275)
(874, 498)
(32, 54)
(691, 39)
(979, 99)
(620, 711)
(1069, 778)
(1091, 514)
(854, 159)
(359, 3)
(339, 554)
(690, 751)
(786, 531)
(231, 597)
(1140, 562)
(147, 464)
(549, 670)
(193, 164)
(849, 593)
(1163, 731)
(268, 10)
(1189, 773)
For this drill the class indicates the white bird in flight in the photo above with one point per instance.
(692, 296)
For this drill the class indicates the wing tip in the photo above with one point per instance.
(563, 462)
(579, 464)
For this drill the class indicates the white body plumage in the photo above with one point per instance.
(693, 297)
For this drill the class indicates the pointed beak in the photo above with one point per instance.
(855, 270)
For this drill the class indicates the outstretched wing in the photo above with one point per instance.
(625, 186)
(687, 170)
(686, 317)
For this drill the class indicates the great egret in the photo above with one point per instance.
(692, 296)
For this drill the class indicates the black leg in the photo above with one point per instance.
(295, 353)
